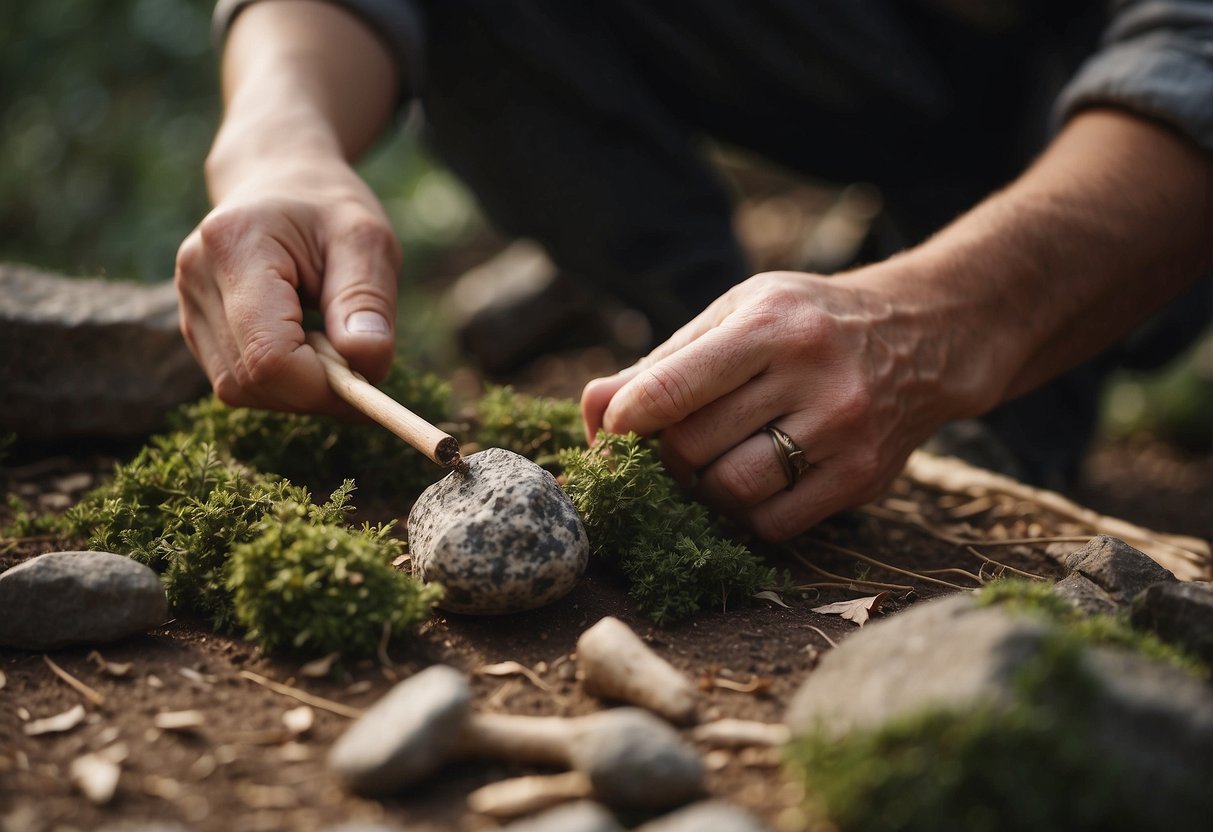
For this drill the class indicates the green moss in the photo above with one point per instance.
(186, 507)
(320, 450)
(1038, 598)
(322, 587)
(537, 427)
(667, 546)
(1035, 764)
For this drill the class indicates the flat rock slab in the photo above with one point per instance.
(64, 598)
(89, 357)
(501, 537)
(1181, 613)
(581, 816)
(714, 815)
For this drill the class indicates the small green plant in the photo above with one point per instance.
(322, 587)
(321, 450)
(666, 545)
(184, 507)
(537, 427)
(25, 522)
(1106, 630)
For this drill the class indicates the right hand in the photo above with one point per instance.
(298, 231)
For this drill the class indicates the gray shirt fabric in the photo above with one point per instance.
(1155, 59)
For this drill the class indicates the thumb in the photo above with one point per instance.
(598, 394)
(358, 298)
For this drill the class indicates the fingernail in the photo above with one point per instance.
(365, 322)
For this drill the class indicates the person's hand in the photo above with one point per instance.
(298, 232)
(856, 381)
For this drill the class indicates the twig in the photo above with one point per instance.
(851, 581)
(303, 696)
(74, 683)
(821, 633)
(842, 550)
(1004, 566)
(956, 570)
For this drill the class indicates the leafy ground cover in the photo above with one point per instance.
(244, 769)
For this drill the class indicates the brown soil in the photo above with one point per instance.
(242, 771)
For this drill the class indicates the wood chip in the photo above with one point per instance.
(299, 720)
(56, 724)
(153, 681)
(96, 777)
(23, 713)
(3, 680)
(972, 508)
(74, 683)
(190, 720)
(195, 676)
(738, 733)
(109, 668)
(319, 668)
(757, 684)
(513, 669)
(525, 795)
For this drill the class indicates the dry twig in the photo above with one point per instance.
(303, 696)
(74, 683)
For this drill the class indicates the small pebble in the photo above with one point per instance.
(65, 598)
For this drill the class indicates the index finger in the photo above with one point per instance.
(673, 387)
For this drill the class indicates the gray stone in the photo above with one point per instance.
(501, 537)
(1117, 568)
(1181, 613)
(581, 816)
(949, 653)
(1152, 720)
(1085, 594)
(89, 357)
(714, 815)
(65, 598)
(405, 736)
(636, 760)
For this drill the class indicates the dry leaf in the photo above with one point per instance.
(513, 669)
(56, 724)
(179, 720)
(772, 596)
(112, 668)
(319, 668)
(95, 776)
(299, 720)
(856, 610)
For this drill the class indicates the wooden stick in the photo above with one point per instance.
(74, 683)
(302, 696)
(440, 447)
(1187, 557)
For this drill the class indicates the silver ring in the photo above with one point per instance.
(791, 456)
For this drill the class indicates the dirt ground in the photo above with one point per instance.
(243, 770)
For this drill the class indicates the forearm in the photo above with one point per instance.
(301, 80)
(1112, 221)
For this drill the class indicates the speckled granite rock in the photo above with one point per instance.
(502, 537)
(65, 598)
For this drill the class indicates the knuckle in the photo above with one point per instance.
(371, 233)
(665, 394)
(741, 482)
(219, 229)
(262, 361)
(191, 258)
(227, 389)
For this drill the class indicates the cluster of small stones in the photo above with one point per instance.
(619, 759)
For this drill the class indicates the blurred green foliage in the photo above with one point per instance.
(106, 114)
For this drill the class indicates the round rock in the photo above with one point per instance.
(64, 598)
(637, 761)
(501, 536)
(407, 735)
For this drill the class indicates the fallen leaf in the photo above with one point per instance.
(319, 668)
(112, 668)
(179, 720)
(772, 596)
(56, 724)
(96, 777)
(299, 720)
(513, 669)
(856, 610)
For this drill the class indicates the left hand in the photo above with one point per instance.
(852, 374)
